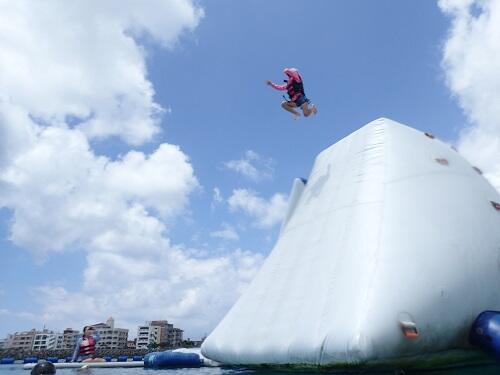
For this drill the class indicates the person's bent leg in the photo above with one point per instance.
(308, 111)
(290, 107)
(305, 110)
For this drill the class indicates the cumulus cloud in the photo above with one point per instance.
(252, 166)
(471, 62)
(226, 233)
(267, 213)
(61, 193)
(134, 287)
(19, 314)
(72, 73)
(81, 62)
(216, 198)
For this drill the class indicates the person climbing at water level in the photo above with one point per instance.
(295, 90)
(85, 346)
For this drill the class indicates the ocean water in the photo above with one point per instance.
(476, 370)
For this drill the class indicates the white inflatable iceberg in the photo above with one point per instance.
(388, 251)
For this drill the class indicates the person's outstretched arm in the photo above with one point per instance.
(77, 349)
(275, 86)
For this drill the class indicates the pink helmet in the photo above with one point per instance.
(292, 73)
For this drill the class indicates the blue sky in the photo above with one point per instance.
(360, 61)
(205, 64)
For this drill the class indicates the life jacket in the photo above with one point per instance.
(295, 88)
(87, 347)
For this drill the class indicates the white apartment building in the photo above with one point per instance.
(111, 337)
(21, 340)
(35, 340)
(70, 336)
(60, 341)
(2, 343)
(147, 334)
(44, 340)
(175, 337)
(159, 332)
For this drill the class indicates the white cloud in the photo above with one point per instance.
(62, 194)
(267, 213)
(80, 61)
(216, 198)
(71, 74)
(471, 61)
(226, 233)
(135, 286)
(158, 180)
(19, 314)
(252, 166)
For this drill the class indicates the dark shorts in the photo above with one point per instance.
(301, 100)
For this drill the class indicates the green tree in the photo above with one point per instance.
(152, 345)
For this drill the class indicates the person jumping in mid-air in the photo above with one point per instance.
(295, 89)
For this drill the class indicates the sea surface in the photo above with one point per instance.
(18, 370)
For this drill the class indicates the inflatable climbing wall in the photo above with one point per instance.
(389, 250)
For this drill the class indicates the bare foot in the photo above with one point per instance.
(314, 109)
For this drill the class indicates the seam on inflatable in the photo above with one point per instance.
(333, 277)
(368, 296)
(372, 155)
